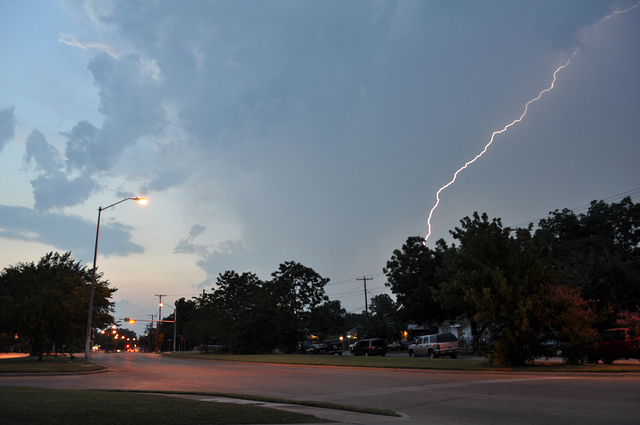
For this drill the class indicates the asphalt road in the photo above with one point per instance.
(423, 396)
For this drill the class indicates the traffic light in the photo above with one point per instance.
(132, 321)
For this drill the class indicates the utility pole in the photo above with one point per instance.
(152, 316)
(366, 308)
(159, 319)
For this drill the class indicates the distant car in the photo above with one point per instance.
(370, 347)
(398, 346)
(393, 346)
(552, 348)
(436, 345)
(330, 346)
(313, 349)
(303, 346)
(617, 343)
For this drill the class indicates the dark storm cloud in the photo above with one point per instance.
(53, 188)
(132, 109)
(64, 232)
(7, 126)
(56, 190)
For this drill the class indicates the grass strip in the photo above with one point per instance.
(49, 364)
(23, 406)
(392, 362)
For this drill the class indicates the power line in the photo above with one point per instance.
(619, 196)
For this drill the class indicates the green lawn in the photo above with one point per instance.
(39, 406)
(49, 364)
(391, 362)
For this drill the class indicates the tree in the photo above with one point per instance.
(413, 273)
(598, 253)
(252, 316)
(568, 319)
(508, 288)
(46, 303)
(327, 319)
(242, 317)
(295, 291)
(381, 323)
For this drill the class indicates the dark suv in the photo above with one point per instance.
(370, 347)
(330, 346)
(617, 343)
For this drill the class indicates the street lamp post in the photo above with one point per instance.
(175, 323)
(106, 336)
(93, 275)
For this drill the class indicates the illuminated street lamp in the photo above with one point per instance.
(141, 201)
(106, 336)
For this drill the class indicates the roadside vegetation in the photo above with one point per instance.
(422, 363)
(518, 291)
(49, 364)
(38, 406)
(54, 365)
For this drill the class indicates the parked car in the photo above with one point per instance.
(552, 348)
(330, 346)
(398, 345)
(369, 347)
(313, 349)
(436, 345)
(303, 346)
(617, 343)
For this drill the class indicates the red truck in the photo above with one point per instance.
(617, 343)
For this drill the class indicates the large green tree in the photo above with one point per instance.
(243, 321)
(46, 303)
(598, 252)
(413, 273)
(506, 285)
(295, 290)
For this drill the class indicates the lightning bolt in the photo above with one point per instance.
(493, 136)
(514, 122)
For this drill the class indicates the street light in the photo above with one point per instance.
(175, 323)
(106, 336)
(141, 201)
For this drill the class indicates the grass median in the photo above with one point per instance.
(405, 362)
(49, 364)
(38, 406)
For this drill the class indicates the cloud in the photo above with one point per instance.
(313, 132)
(65, 232)
(88, 45)
(7, 126)
(58, 191)
(46, 157)
(54, 188)
(230, 255)
(186, 246)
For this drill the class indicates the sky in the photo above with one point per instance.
(311, 131)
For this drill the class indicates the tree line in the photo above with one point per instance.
(570, 277)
